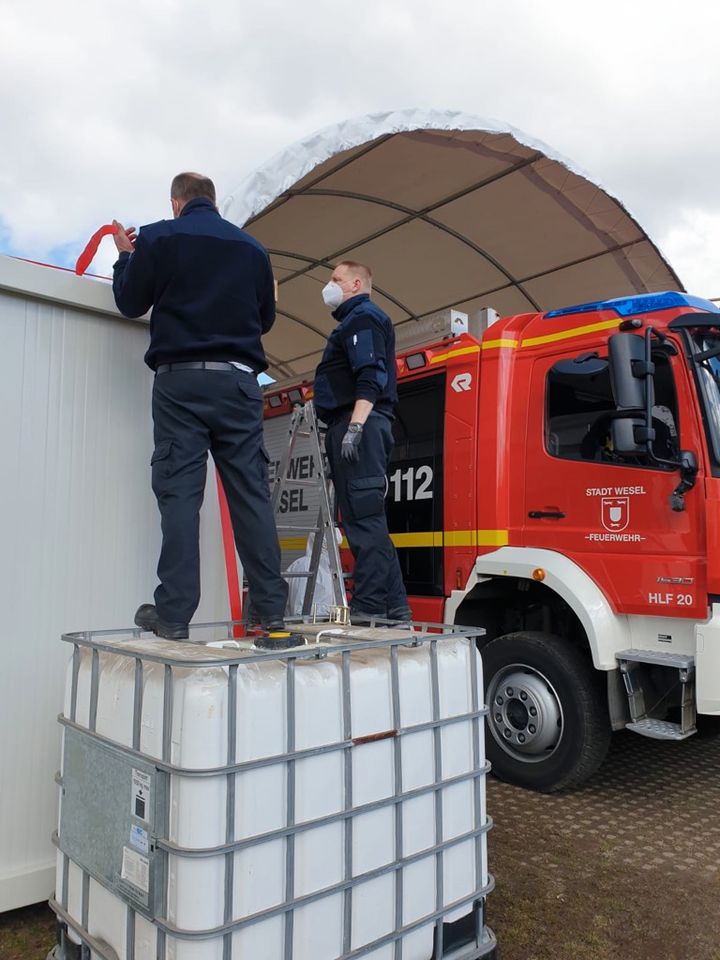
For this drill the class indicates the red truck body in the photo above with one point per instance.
(514, 505)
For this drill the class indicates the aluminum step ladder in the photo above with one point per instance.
(304, 424)
(632, 663)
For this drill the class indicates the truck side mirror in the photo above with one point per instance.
(586, 365)
(628, 371)
(629, 436)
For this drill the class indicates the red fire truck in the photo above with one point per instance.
(556, 480)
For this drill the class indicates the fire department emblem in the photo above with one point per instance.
(615, 513)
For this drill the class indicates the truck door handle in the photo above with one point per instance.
(546, 515)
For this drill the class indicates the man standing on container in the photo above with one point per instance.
(211, 290)
(355, 394)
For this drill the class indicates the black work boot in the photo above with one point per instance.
(148, 618)
(400, 613)
(363, 618)
(402, 617)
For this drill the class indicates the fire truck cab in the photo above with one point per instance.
(556, 480)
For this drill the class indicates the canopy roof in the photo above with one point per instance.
(448, 210)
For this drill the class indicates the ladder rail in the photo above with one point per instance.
(326, 520)
(304, 424)
(280, 476)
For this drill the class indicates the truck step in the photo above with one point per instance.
(660, 729)
(681, 661)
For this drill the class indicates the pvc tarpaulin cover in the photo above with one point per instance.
(448, 210)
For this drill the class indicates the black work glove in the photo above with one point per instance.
(350, 447)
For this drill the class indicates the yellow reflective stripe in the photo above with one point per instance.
(492, 538)
(574, 332)
(293, 543)
(433, 538)
(447, 538)
(530, 342)
(460, 352)
(476, 538)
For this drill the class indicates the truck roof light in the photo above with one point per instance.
(275, 400)
(415, 361)
(645, 303)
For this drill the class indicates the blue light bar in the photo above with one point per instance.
(646, 303)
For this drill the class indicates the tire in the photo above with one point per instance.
(708, 727)
(547, 726)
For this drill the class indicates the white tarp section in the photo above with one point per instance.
(448, 210)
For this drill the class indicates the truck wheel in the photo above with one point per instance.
(547, 718)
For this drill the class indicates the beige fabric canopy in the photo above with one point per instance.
(448, 210)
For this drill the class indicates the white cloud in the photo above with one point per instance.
(101, 104)
(693, 244)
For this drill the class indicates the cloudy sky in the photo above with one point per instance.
(100, 104)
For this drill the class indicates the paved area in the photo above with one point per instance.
(626, 867)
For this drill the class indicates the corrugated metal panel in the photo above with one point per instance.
(80, 530)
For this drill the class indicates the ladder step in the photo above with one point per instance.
(293, 526)
(659, 729)
(297, 483)
(306, 574)
(681, 661)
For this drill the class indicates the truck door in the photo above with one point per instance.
(415, 484)
(611, 514)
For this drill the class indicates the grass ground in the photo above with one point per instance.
(27, 934)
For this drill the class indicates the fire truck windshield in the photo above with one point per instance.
(707, 358)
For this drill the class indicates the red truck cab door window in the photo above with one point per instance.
(414, 502)
(608, 513)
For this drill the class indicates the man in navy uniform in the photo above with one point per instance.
(211, 289)
(355, 394)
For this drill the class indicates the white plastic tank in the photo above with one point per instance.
(218, 802)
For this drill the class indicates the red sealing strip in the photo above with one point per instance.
(86, 257)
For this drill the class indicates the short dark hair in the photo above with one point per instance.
(362, 269)
(190, 186)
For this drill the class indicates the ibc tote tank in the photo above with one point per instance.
(326, 802)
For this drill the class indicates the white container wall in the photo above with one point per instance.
(335, 794)
(80, 532)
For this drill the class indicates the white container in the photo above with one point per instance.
(338, 728)
(80, 529)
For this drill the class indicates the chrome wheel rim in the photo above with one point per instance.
(525, 713)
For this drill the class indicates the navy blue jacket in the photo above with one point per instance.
(358, 362)
(209, 283)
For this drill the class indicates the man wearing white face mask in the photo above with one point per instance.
(355, 394)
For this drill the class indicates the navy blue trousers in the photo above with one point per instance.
(196, 411)
(360, 489)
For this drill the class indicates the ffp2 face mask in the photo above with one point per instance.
(332, 295)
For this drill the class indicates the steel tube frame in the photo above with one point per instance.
(484, 941)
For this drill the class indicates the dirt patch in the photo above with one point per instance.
(27, 934)
(627, 868)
